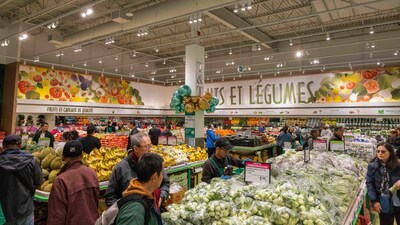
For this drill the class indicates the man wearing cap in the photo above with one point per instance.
(74, 197)
(134, 130)
(20, 175)
(326, 132)
(215, 165)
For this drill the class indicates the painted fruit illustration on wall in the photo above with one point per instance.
(57, 85)
(373, 85)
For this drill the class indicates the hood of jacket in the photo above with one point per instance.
(13, 160)
(135, 187)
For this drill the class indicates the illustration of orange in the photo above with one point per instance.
(372, 86)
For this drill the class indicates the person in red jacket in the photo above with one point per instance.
(74, 197)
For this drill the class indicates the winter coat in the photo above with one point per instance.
(210, 171)
(47, 134)
(121, 175)
(132, 213)
(210, 138)
(284, 137)
(154, 134)
(74, 197)
(374, 179)
(15, 195)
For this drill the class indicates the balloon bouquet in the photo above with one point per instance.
(181, 101)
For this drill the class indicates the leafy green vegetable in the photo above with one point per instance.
(39, 85)
(360, 90)
(385, 81)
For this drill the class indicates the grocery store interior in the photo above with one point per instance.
(250, 68)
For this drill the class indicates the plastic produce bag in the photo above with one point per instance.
(283, 216)
(218, 209)
(256, 220)
(316, 217)
(261, 209)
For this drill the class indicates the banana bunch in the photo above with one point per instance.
(193, 153)
(103, 160)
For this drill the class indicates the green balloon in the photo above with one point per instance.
(214, 101)
(184, 90)
(212, 109)
(175, 101)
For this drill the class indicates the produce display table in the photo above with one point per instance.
(351, 216)
(42, 196)
(250, 150)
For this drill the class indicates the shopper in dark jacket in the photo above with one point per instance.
(44, 133)
(110, 128)
(150, 175)
(314, 136)
(125, 171)
(90, 142)
(167, 132)
(338, 132)
(210, 140)
(20, 175)
(154, 134)
(385, 162)
(134, 130)
(215, 165)
(74, 197)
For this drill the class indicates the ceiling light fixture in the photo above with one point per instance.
(230, 52)
(134, 53)
(328, 38)
(156, 49)
(314, 61)
(132, 75)
(147, 64)
(206, 55)
(236, 9)
(23, 37)
(110, 41)
(350, 66)
(116, 69)
(373, 45)
(229, 62)
(299, 54)
(396, 53)
(87, 12)
(142, 32)
(53, 25)
(172, 70)
(249, 5)
(5, 43)
(78, 48)
(233, 78)
(60, 53)
(223, 79)
(36, 59)
(116, 58)
(280, 65)
(131, 67)
(371, 30)
(52, 66)
(371, 54)
(152, 78)
(267, 58)
(195, 18)
(291, 42)
(258, 47)
(100, 61)
(85, 63)
(154, 72)
(164, 61)
(378, 63)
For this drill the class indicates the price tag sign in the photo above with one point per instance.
(44, 142)
(162, 140)
(320, 145)
(24, 138)
(307, 156)
(172, 140)
(349, 138)
(337, 146)
(256, 172)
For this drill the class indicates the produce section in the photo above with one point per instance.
(296, 195)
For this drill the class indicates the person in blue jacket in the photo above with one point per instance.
(210, 140)
(384, 172)
(284, 136)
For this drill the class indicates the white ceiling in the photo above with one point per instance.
(270, 24)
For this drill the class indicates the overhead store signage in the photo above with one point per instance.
(256, 172)
(80, 110)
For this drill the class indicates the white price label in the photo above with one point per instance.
(256, 172)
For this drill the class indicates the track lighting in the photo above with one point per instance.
(147, 64)
(156, 49)
(164, 61)
(132, 75)
(154, 72)
(53, 25)
(229, 62)
(134, 53)
(87, 12)
(172, 70)
(110, 41)
(60, 53)
(142, 32)
(23, 37)
(36, 59)
(396, 53)
(5, 43)
(267, 58)
(195, 18)
(116, 58)
(314, 61)
(85, 64)
(100, 61)
(116, 69)
(78, 48)
(291, 42)
(378, 63)
(299, 54)
(230, 52)
(280, 65)
(350, 66)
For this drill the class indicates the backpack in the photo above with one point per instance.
(109, 217)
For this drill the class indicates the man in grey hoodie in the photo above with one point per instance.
(20, 175)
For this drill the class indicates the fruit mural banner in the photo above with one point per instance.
(47, 84)
(373, 85)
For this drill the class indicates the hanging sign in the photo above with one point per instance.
(44, 142)
(337, 146)
(240, 68)
(256, 172)
(320, 145)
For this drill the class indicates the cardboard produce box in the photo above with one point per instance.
(175, 197)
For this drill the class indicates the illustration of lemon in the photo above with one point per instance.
(74, 90)
(329, 98)
(335, 91)
(337, 98)
(355, 77)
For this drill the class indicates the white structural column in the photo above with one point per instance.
(194, 78)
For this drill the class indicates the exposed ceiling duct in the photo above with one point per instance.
(149, 16)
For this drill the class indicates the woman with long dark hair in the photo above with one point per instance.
(383, 173)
